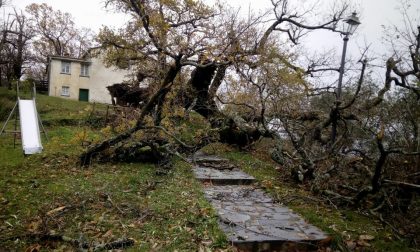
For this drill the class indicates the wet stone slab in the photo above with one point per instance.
(203, 157)
(222, 177)
(248, 215)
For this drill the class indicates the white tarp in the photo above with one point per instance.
(29, 127)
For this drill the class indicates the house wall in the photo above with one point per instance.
(99, 78)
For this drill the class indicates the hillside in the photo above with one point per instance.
(49, 202)
(50, 194)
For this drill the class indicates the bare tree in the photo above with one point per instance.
(55, 33)
(15, 41)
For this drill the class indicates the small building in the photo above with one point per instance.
(82, 79)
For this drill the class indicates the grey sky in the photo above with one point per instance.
(87, 13)
(373, 14)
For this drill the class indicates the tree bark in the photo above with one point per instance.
(375, 182)
(200, 82)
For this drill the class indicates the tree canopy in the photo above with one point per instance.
(245, 78)
(29, 37)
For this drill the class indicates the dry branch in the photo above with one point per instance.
(49, 237)
(118, 244)
(167, 83)
(403, 184)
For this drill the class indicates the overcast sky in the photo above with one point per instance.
(373, 15)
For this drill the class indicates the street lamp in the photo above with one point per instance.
(349, 26)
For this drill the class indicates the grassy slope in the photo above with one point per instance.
(345, 226)
(106, 202)
(160, 210)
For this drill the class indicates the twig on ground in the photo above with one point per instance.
(337, 195)
(331, 203)
(350, 188)
(121, 243)
(379, 216)
(49, 237)
(287, 199)
(108, 198)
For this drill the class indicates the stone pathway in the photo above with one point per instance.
(248, 216)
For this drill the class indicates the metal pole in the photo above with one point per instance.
(343, 62)
(17, 89)
(16, 114)
(338, 93)
(8, 118)
(37, 113)
(33, 92)
(42, 126)
(14, 135)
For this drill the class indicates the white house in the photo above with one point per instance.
(82, 79)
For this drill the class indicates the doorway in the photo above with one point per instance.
(83, 94)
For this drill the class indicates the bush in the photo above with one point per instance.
(7, 101)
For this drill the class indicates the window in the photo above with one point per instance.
(65, 91)
(84, 70)
(65, 67)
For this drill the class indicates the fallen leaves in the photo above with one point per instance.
(204, 249)
(366, 237)
(362, 241)
(4, 201)
(77, 203)
(56, 210)
(34, 225)
(267, 184)
(108, 234)
(351, 245)
(33, 248)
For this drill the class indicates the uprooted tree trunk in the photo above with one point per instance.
(203, 85)
(199, 84)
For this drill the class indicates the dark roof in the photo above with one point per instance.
(69, 59)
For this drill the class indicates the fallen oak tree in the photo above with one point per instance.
(151, 43)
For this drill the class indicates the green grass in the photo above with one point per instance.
(169, 210)
(160, 211)
(105, 202)
(54, 111)
(342, 225)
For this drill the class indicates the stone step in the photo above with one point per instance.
(252, 221)
(222, 177)
(203, 157)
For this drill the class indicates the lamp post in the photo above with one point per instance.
(350, 24)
